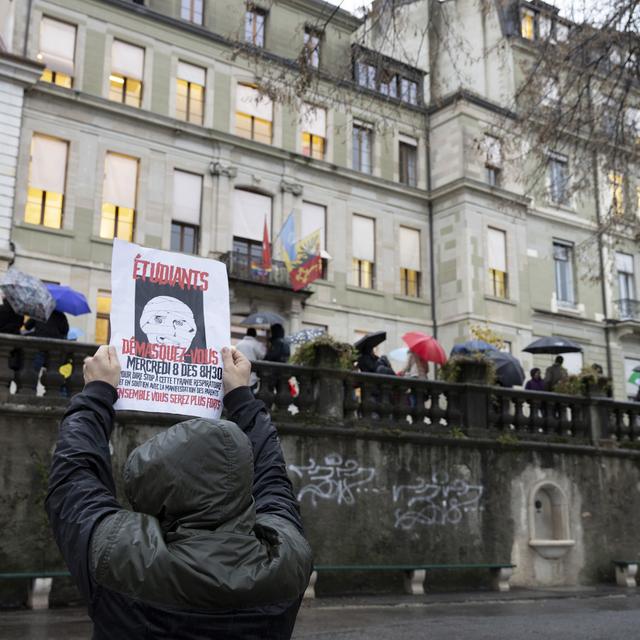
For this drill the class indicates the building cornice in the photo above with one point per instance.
(463, 95)
(19, 70)
(172, 126)
(476, 186)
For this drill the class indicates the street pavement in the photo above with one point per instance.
(588, 614)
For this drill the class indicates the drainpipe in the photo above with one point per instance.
(432, 261)
(26, 30)
(603, 282)
(603, 290)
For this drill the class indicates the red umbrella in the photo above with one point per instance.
(425, 347)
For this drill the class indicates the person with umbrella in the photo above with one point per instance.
(252, 349)
(554, 374)
(368, 361)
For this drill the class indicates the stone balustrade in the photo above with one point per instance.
(30, 367)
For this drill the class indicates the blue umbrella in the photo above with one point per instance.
(69, 300)
(472, 346)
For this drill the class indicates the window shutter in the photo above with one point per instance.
(48, 163)
(120, 180)
(313, 218)
(127, 60)
(363, 238)
(187, 197)
(407, 140)
(410, 249)
(251, 102)
(624, 262)
(57, 45)
(191, 73)
(249, 211)
(314, 120)
(497, 250)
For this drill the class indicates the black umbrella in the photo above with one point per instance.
(370, 341)
(509, 371)
(263, 318)
(552, 344)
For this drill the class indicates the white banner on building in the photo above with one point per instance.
(169, 321)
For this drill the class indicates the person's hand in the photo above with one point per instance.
(103, 366)
(237, 369)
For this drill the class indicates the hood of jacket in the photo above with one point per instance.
(197, 474)
(194, 540)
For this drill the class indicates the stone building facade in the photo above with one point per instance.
(149, 123)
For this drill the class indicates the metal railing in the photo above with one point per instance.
(241, 267)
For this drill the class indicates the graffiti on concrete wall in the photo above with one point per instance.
(438, 502)
(335, 479)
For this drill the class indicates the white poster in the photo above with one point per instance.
(169, 321)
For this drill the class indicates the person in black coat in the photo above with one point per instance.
(88, 520)
(11, 322)
(57, 326)
(278, 350)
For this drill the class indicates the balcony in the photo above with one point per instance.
(628, 309)
(240, 269)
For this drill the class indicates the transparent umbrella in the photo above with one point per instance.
(27, 295)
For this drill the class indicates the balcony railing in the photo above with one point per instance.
(315, 397)
(240, 267)
(628, 309)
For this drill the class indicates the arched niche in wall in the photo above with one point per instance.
(549, 531)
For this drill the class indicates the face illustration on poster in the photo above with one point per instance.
(167, 320)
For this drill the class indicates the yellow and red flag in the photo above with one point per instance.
(307, 265)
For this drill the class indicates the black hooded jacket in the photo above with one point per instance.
(214, 547)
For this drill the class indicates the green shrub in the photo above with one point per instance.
(306, 354)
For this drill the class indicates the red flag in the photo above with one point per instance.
(266, 248)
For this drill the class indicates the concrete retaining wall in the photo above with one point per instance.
(378, 497)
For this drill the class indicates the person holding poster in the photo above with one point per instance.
(169, 319)
(213, 546)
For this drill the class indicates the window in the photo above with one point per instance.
(187, 201)
(254, 114)
(563, 261)
(57, 50)
(312, 47)
(408, 157)
(527, 24)
(250, 210)
(363, 244)
(497, 244)
(410, 272)
(127, 67)
(389, 84)
(366, 75)
(191, 10)
(558, 178)
(626, 284)
(616, 189)
(254, 20)
(314, 217)
(119, 197)
(362, 148)
(190, 93)
(314, 131)
(493, 159)
(409, 91)
(47, 177)
(103, 314)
